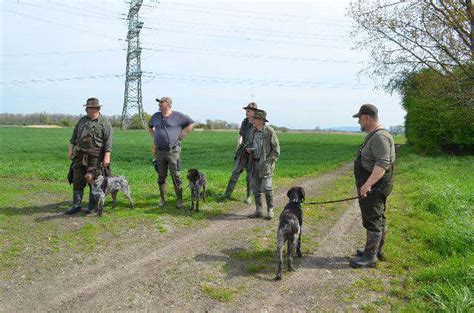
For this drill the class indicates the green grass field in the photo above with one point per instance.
(429, 247)
(33, 167)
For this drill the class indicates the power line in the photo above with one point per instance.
(59, 24)
(278, 42)
(248, 81)
(27, 54)
(208, 10)
(69, 11)
(60, 79)
(178, 49)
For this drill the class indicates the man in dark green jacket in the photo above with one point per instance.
(264, 150)
(89, 149)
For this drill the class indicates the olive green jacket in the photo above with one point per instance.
(270, 153)
(92, 134)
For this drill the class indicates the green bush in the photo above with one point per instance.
(440, 112)
(137, 122)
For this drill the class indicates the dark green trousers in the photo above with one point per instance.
(373, 210)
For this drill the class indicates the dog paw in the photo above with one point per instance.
(278, 277)
(291, 269)
(299, 254)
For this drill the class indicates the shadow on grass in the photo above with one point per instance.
(34, 209)
(262, 264)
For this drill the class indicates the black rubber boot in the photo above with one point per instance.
(91, 207)
(258, 206)
(248, 200)
(162, 188)
(269, 198)
(179, 197)
(380, 253)
(76, 202)
(229, 190)
(369, 257)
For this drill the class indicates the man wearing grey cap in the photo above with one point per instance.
(373, 170)
(264, 149)
(168, 128)
(241, 155)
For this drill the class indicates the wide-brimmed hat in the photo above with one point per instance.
(167, 99)
(251, 106)
(261, 114)
(367, 109)
(92, 103)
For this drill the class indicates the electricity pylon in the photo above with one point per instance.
(132, 103)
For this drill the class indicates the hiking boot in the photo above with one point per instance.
(162, 188)
(258, 206)
(76, 202)
(369, 257)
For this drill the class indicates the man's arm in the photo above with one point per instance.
(239, 142)
(185, 132)
(152, 131)
(377, 173)
(70, 151)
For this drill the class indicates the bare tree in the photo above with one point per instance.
(406, 36)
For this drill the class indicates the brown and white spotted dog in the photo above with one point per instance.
(101, 186)
(198, 186)
(289, 228)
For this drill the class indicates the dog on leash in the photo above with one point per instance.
(289, 228)
(101, 186)
(198, 185)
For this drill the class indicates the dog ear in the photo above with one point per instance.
(288, 193)
(301, 193)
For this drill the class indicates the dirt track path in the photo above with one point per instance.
(167, 273)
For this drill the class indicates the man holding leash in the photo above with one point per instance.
(168, 128)
(373, 170)
(89, 149)
(264, 149)
(241, 154)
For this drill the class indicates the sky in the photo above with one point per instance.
(294, 59)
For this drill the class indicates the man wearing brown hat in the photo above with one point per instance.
(264, 149)
(373, 170)
(168, 128)
(241, 154)
(89, 148)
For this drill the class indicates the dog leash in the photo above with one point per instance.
(333, 201)
(341, 200)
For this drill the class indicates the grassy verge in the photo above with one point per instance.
(430, 241)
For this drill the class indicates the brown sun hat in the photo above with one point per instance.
(92, 103)
(261, 114)
(251, 106)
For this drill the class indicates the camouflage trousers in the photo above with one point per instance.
(260, 184)
(169, 160)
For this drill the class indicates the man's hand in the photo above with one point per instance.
(364, 190)
(107, 159)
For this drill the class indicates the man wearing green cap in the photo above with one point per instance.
(89, 148)
(373, 170)
(168, 128)
(241, 155)
(264, 150)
